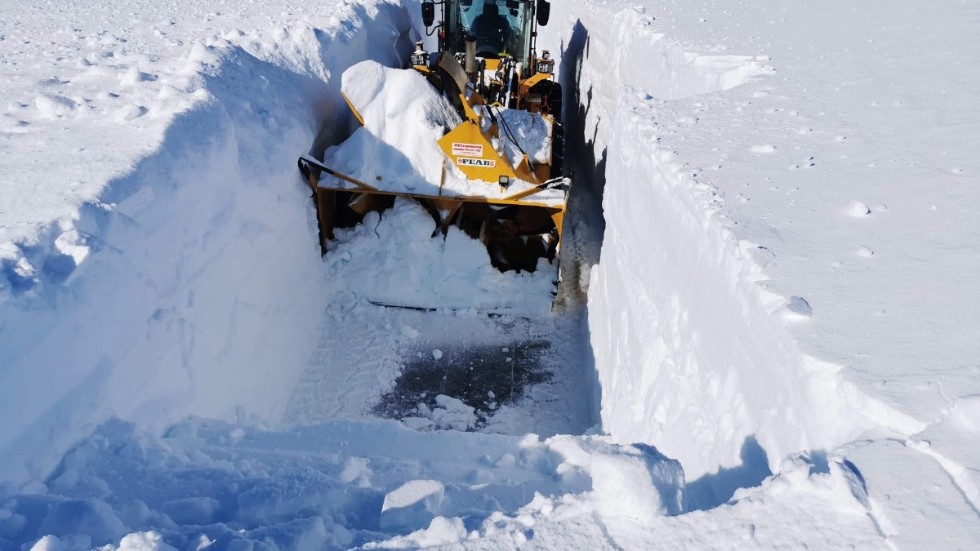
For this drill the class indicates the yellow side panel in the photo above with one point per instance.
(530, 81)
(558, 218)
(524, 172)
(470, 152)
(468, 111)
(364, 202)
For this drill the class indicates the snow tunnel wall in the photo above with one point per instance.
(692, 354)
(197, 293)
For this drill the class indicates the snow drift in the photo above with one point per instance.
(115, 310)
(721, 331)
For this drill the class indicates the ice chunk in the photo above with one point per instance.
(356, 471)
(144, 541)
(54, 106)
(412, 504)
(441, 531)
(397, 261)
(857, 208)
(191, 510)
(452, 413)
(49, 543)
(89, 517)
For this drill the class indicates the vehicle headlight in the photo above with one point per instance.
(545, 63)
(420, 56)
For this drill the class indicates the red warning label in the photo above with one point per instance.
(467, 149)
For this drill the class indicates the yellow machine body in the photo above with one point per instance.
(518, 226)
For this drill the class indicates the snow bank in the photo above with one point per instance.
(180, 279)
(681, 359)
(741, 310)
(811, 505)
(690, 348)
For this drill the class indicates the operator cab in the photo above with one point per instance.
(497, 26)
(491, 31)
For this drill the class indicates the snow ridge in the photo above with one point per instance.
(154, 335)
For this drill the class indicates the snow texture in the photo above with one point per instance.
(382, 153)
(785, 237)
(164, 285)
(394, 259)
(765, 323)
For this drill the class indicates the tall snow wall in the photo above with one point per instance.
(191, 286)
(692, 353)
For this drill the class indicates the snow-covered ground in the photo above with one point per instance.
(765, 337)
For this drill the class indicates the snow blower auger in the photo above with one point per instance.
(471, 132)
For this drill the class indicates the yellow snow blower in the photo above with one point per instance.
(499, 175)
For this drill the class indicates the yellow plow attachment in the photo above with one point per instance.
(487, 184)
(516, 229)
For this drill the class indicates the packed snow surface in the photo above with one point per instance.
(392, 259)
(764, 325)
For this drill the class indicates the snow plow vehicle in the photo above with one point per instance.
(471, 132)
